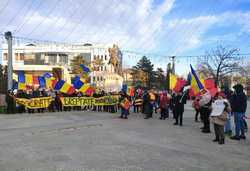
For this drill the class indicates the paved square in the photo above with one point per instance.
(91, 141)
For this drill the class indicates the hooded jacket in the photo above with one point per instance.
(239, 100)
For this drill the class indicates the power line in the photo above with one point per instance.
(67, 18)
(56, 20)
(26, 12)
(30, 16)
(41, 22)
(16, 15)
(30, 40)
(4, 6)
(77, 24)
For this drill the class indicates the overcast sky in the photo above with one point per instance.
(169, 27)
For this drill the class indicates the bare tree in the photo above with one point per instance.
(221, 62)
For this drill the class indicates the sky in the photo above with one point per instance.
(157, 28)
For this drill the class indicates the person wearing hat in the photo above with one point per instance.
(239, 106)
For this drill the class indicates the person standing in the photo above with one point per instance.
(196, 106)
(205, 109)
(149, 105)
(239, 106)
(164, 103)
(221, 119)
(138, 104)
(125, 105)
(179, 102)
(9, 98)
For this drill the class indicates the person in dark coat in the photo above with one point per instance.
(148, 108)
(179, 101)
(21, 94)
(239, 106)
(10, 102)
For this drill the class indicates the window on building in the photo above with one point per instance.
(101, 78)
(98, 57)
(101, 57)
(105, 57)
(29, 59)
(94, 79)
(105, 69)
(63, 58)
(16, 57)
(97, 78)
(21, 56)
(101, 68)
(94, 57)
(51, 58)
(5, 56)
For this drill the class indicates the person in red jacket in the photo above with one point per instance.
(164, 104)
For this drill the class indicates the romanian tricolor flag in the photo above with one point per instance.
(176, 83)
(85, 68)
(48, 81)
(82, 87)
(198, 84)
(64, 87)
(29, 80)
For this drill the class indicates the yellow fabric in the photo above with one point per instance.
(152, 96)
(194, 85)
(49, 82)
(172, 81)
(21, 86)
(65, 87)
(84, 88)
(28, 79)
(87, 101)
(35, 103)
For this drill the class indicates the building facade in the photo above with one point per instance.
(38, 59)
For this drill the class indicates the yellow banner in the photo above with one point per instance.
(35, 103)
(89, 101)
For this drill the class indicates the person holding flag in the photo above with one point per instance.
(205, 102)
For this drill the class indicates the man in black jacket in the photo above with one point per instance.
(239, 106)
(178, 107)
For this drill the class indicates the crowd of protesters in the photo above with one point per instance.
(149, 102)
(56, 104)
(235, 105)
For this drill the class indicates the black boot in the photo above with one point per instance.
(216, 140)
(222, 141)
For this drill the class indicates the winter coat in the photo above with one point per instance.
(222, 119)
(178, 103)
(164, 101)
(147, 104)
(239, 103)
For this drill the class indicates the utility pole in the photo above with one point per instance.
(8, 37)
(168, 76)
(173, 64)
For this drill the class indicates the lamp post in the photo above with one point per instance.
(8, 37)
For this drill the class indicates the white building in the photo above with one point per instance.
(40, 58)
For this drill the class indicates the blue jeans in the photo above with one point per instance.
(239, 124)
(228, 126)
(124, 112)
